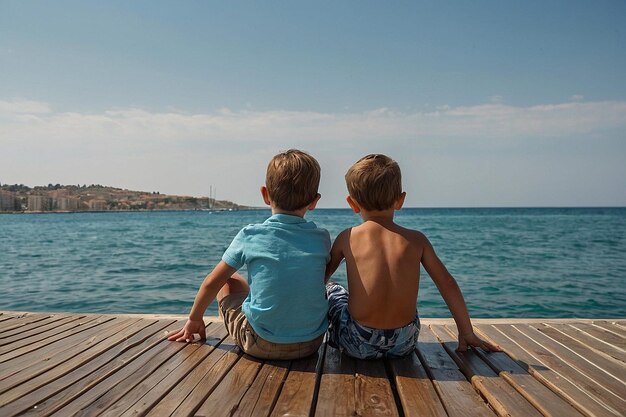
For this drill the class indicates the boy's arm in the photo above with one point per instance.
(451, 293)
(211, 285)
(336, 254)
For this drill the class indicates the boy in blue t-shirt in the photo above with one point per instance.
(280, 311)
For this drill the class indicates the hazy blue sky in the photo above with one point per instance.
(483, 103)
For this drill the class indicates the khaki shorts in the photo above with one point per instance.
(251, 343)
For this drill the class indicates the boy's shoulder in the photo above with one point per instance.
(345, 234)
(413, 235)
(296, 226)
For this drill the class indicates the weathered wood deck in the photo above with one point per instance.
(121, 365)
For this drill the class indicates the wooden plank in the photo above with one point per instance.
(10, 319)
(21, 320)
(51, 344)
(373, 392)
(45, 353)
(501, 396)
(539, 395)
(299, 390)
(158, 366)
(417, 393)
(52, 397)
(553, 372)
(190, 393)
(588, 347)
(40, 329)
(225, 399)
(612, 329)
(49, 356)
(572, 393)
(143, 397)
(37, 327)
(615, 326)
(44, 363)
(574, 355)
(127, 376)
(18, 341)
(32, 377)
(259, 400)
(602, 335)
(457, 395)
(353, 387)
(75, 380)
(337, 387)
(47, 384)
(508, 320)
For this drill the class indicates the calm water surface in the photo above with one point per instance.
(567, 262)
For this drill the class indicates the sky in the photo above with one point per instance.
(482, 103)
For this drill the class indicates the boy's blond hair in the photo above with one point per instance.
(292, 179)
(375, 182)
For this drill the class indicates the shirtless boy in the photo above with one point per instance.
(378, 318)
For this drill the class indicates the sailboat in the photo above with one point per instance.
(212, 200)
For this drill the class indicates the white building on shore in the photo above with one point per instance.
(97, 204)
(39, 203)
(8, 201)
(67, 203)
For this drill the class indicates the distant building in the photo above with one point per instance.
(39, 203)
(8, 201)
(98, 204)
(57, 194)
(67, 203)
(123, 205)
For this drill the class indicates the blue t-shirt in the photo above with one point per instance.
(286, 258)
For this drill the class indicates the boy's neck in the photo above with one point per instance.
(378, 216)
(299, 213)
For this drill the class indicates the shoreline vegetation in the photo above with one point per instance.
(57, 198)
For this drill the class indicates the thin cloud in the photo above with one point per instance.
(36, 121)
(496, 99)
(23, 107)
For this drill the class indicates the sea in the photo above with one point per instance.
(509, 262)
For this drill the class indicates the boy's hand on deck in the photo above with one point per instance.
(186, 333)
(474, 341)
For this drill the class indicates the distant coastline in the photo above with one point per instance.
(19, 198)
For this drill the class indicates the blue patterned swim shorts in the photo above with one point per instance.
(364, 342)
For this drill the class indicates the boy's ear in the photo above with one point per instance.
(313, 203)
(400, 201)
(353, 205)
(266, 195)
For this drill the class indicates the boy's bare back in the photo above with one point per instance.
(383, 262)
(383, 267)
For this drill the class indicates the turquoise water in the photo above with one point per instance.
(555, 262)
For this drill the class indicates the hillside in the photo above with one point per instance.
(95, 197)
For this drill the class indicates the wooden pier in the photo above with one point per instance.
(121, 365)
